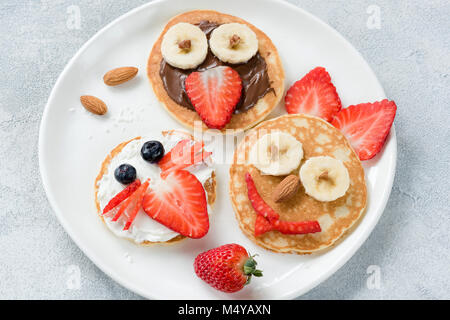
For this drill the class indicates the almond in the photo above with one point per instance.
(94, 105)
(119, 75)
(286, 189)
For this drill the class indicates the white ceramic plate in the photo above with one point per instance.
(73, 143)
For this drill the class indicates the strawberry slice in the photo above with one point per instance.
(123, 206)
(185, 154)
(214, 93)
(314, 94)
(267, 219)
(178, 201)
(366, 126)
(260, 206)
(297, 227)
(136, 201)
(121, 196)
(130, 207)
(262, 225)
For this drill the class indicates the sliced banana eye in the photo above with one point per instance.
(233, 43)
(324, 178)
(184, 46)
(276, 154)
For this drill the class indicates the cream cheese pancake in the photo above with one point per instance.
(131, 156)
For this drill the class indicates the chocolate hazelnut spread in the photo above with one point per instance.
(253, 73)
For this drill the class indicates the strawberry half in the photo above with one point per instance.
(178, 201)
(121, 196)
(260, 206)
(366, 126)
(185, 154)
(227, 268)
(214, 93)
(314, 94)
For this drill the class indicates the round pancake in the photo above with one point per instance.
(209, 185)
(239, 121)
(319, 138)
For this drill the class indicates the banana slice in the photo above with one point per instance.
(184, 46)
(233, 43)
(276, 154)
(324, 178)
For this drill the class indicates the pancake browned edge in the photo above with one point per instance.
(241, 121)
(319, 138)
(209, 185)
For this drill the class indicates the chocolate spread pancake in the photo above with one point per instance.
(262, 76)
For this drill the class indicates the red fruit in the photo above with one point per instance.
(267, 219)
(314, 94)
(227, 268)
(123, 206)
(296, 227)
(262, 225)
(121, 196)
(366, 126)
(214, 93)
(185, 154)
(136, 204)
(258, 203)
(130, 206)
(178, 201)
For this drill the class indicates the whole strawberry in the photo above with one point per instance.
(227, 268)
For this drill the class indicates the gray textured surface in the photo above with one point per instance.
(410, 54)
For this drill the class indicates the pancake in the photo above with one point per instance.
(209, 185)
(240, 121)
(319, 138)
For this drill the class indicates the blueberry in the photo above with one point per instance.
(125, 173)
(152, 151)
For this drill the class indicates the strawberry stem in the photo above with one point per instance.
(250, 269)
